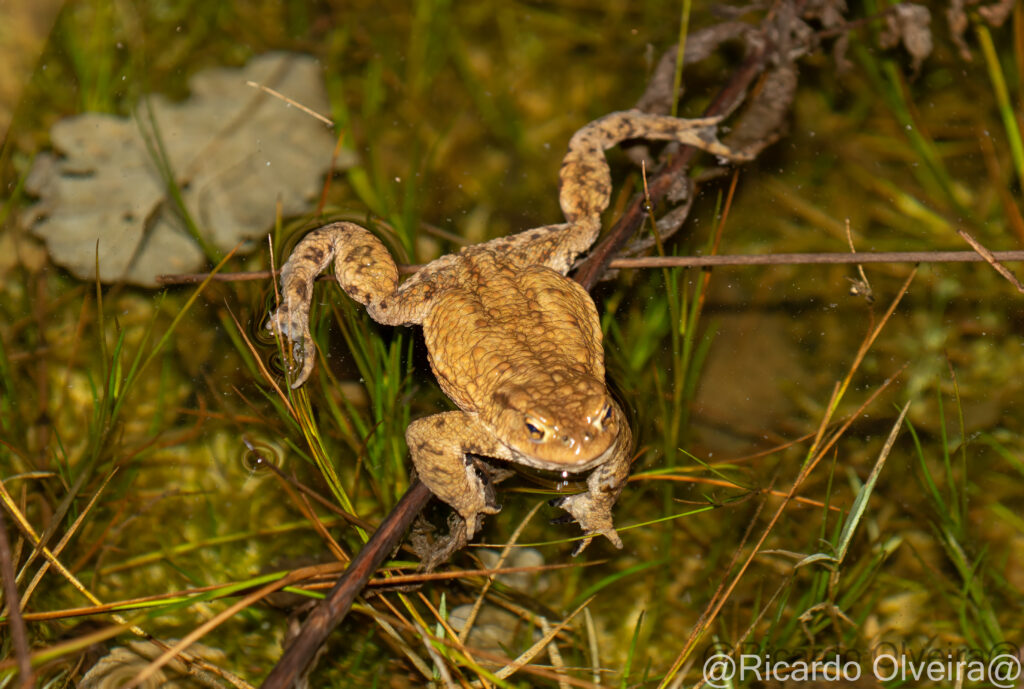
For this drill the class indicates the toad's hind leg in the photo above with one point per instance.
(363, 268)
(586, 184)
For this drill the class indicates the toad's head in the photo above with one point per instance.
(562, 421)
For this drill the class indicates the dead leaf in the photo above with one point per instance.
(909, 24)
(994, 14)
(232, 150)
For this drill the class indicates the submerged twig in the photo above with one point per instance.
(290, 101)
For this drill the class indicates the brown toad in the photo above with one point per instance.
(513, 342)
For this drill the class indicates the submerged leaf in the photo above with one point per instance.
(230, 153)
(909, 24)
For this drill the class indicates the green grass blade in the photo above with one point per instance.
(860, 503)
(1007, 111)
(632, 652)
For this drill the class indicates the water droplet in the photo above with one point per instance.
(258, 456)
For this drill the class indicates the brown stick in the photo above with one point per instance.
(19, 637)
(326, 616)
(991, 259)
(785, 259)
(815, 259)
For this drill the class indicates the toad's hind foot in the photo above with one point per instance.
(436, 550)
(586, 183)
(292, 323)
(362, 266)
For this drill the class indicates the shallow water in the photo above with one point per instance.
(457, 118)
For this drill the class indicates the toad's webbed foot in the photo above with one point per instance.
(291, 321)
(593, 515)
(435, 550)
(432, 550)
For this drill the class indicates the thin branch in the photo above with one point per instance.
(294, 103)
(333, 609)
(991, 259)
(15, 623)
(790, 259)
(813, 258)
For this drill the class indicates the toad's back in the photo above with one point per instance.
(504, 326)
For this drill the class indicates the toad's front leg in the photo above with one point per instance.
(441, 446)
(593, 509)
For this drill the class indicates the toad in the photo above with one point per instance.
(513, 342)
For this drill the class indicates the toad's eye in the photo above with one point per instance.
(536, 433)
(607, 416)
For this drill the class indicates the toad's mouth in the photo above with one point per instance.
(571, 464)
